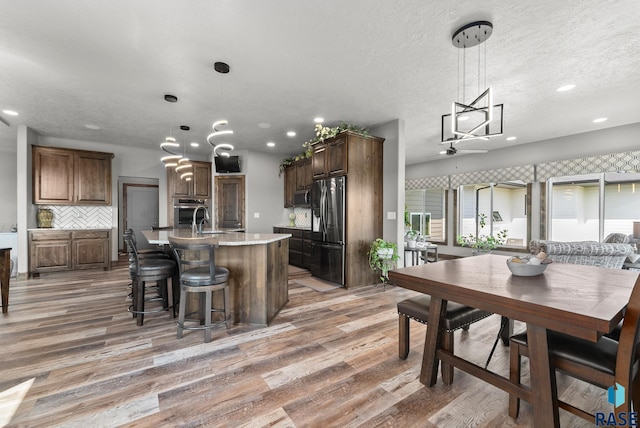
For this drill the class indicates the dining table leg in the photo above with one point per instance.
(433, 341)
(544, 395)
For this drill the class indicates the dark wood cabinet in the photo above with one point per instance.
(303, 175)
(297, 177)
(58, 250)
(69, 177)
(289, 185)
(332, 157)
(199, 187)
(299, 246)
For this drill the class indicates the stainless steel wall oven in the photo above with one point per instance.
(183, 211)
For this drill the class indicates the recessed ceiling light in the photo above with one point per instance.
(264, 125)
(94, 127)
(511, 138)
(291, 133)
(599, 120)
(271, 144)
(566, 88)
(194, 144)
(318, 120)
(10, 112)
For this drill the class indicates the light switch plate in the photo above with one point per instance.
(256, 215)
(391, 215)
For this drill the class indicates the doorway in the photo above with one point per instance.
(140, 210)
(230, 201)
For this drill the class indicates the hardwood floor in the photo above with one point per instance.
(73, 356)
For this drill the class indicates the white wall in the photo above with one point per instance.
(393, 178)
(264, 191)
(9, 187)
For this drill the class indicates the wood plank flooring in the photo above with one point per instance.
(73, 356)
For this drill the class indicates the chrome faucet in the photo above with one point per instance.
(198, 227)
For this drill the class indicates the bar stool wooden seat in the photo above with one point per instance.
(199, 274)
(150, 269)
(417, 308)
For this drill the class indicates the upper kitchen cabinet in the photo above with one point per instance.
(199, 187)
(330, 158)
(297, 177)
(69, 177)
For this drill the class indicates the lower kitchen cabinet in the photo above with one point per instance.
(299, 246)
(58, 250)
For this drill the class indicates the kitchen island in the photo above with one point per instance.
(258, 266)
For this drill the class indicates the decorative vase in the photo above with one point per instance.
(411, 244)
(292, 220)
(45, 218)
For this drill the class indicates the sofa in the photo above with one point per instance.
(591, 253)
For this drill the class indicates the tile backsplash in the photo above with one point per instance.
(81, 216)
(303, 217)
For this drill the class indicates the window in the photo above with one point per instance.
(591, 206)
(426, 212)
(503, 205)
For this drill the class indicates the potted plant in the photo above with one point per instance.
(483, 243)
(411, 236)
(382, 257)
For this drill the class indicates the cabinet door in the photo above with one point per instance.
(289, 185)
(90, 253)
(201, 180)
(178, 188)
(52, 176)
(308, 175)
(319, 161)
(337, 157)
(301, 168)
(92, 178)
(50, 256)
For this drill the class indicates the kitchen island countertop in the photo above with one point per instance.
(224, 239)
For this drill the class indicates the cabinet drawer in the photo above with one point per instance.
(295, 244)
(50, 235)
(90, 234)
(295, 258)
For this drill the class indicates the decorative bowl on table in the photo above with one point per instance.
(524, 266)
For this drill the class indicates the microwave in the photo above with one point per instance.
(302, 198)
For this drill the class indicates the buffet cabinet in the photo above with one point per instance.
(71, 177)
(299, 246)
(59, 250)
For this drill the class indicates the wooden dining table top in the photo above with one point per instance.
(584, 301)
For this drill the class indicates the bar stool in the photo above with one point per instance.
(199, 274)
(143, 270)
(458, 316)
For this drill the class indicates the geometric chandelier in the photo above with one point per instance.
(478, 118)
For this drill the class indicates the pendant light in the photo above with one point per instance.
(478, 118)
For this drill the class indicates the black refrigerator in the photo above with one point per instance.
(328, 229)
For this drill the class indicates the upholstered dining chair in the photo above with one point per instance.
(417, 308)
(604, 363)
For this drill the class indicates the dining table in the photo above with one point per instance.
(581, 301)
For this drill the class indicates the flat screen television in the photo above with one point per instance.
(227, 164)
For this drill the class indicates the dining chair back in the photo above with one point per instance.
(606, 363)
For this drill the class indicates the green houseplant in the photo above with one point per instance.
(483, 243)
(382, 257)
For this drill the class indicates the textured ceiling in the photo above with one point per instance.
(65, 64)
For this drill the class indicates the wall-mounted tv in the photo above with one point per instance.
(227, 164)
